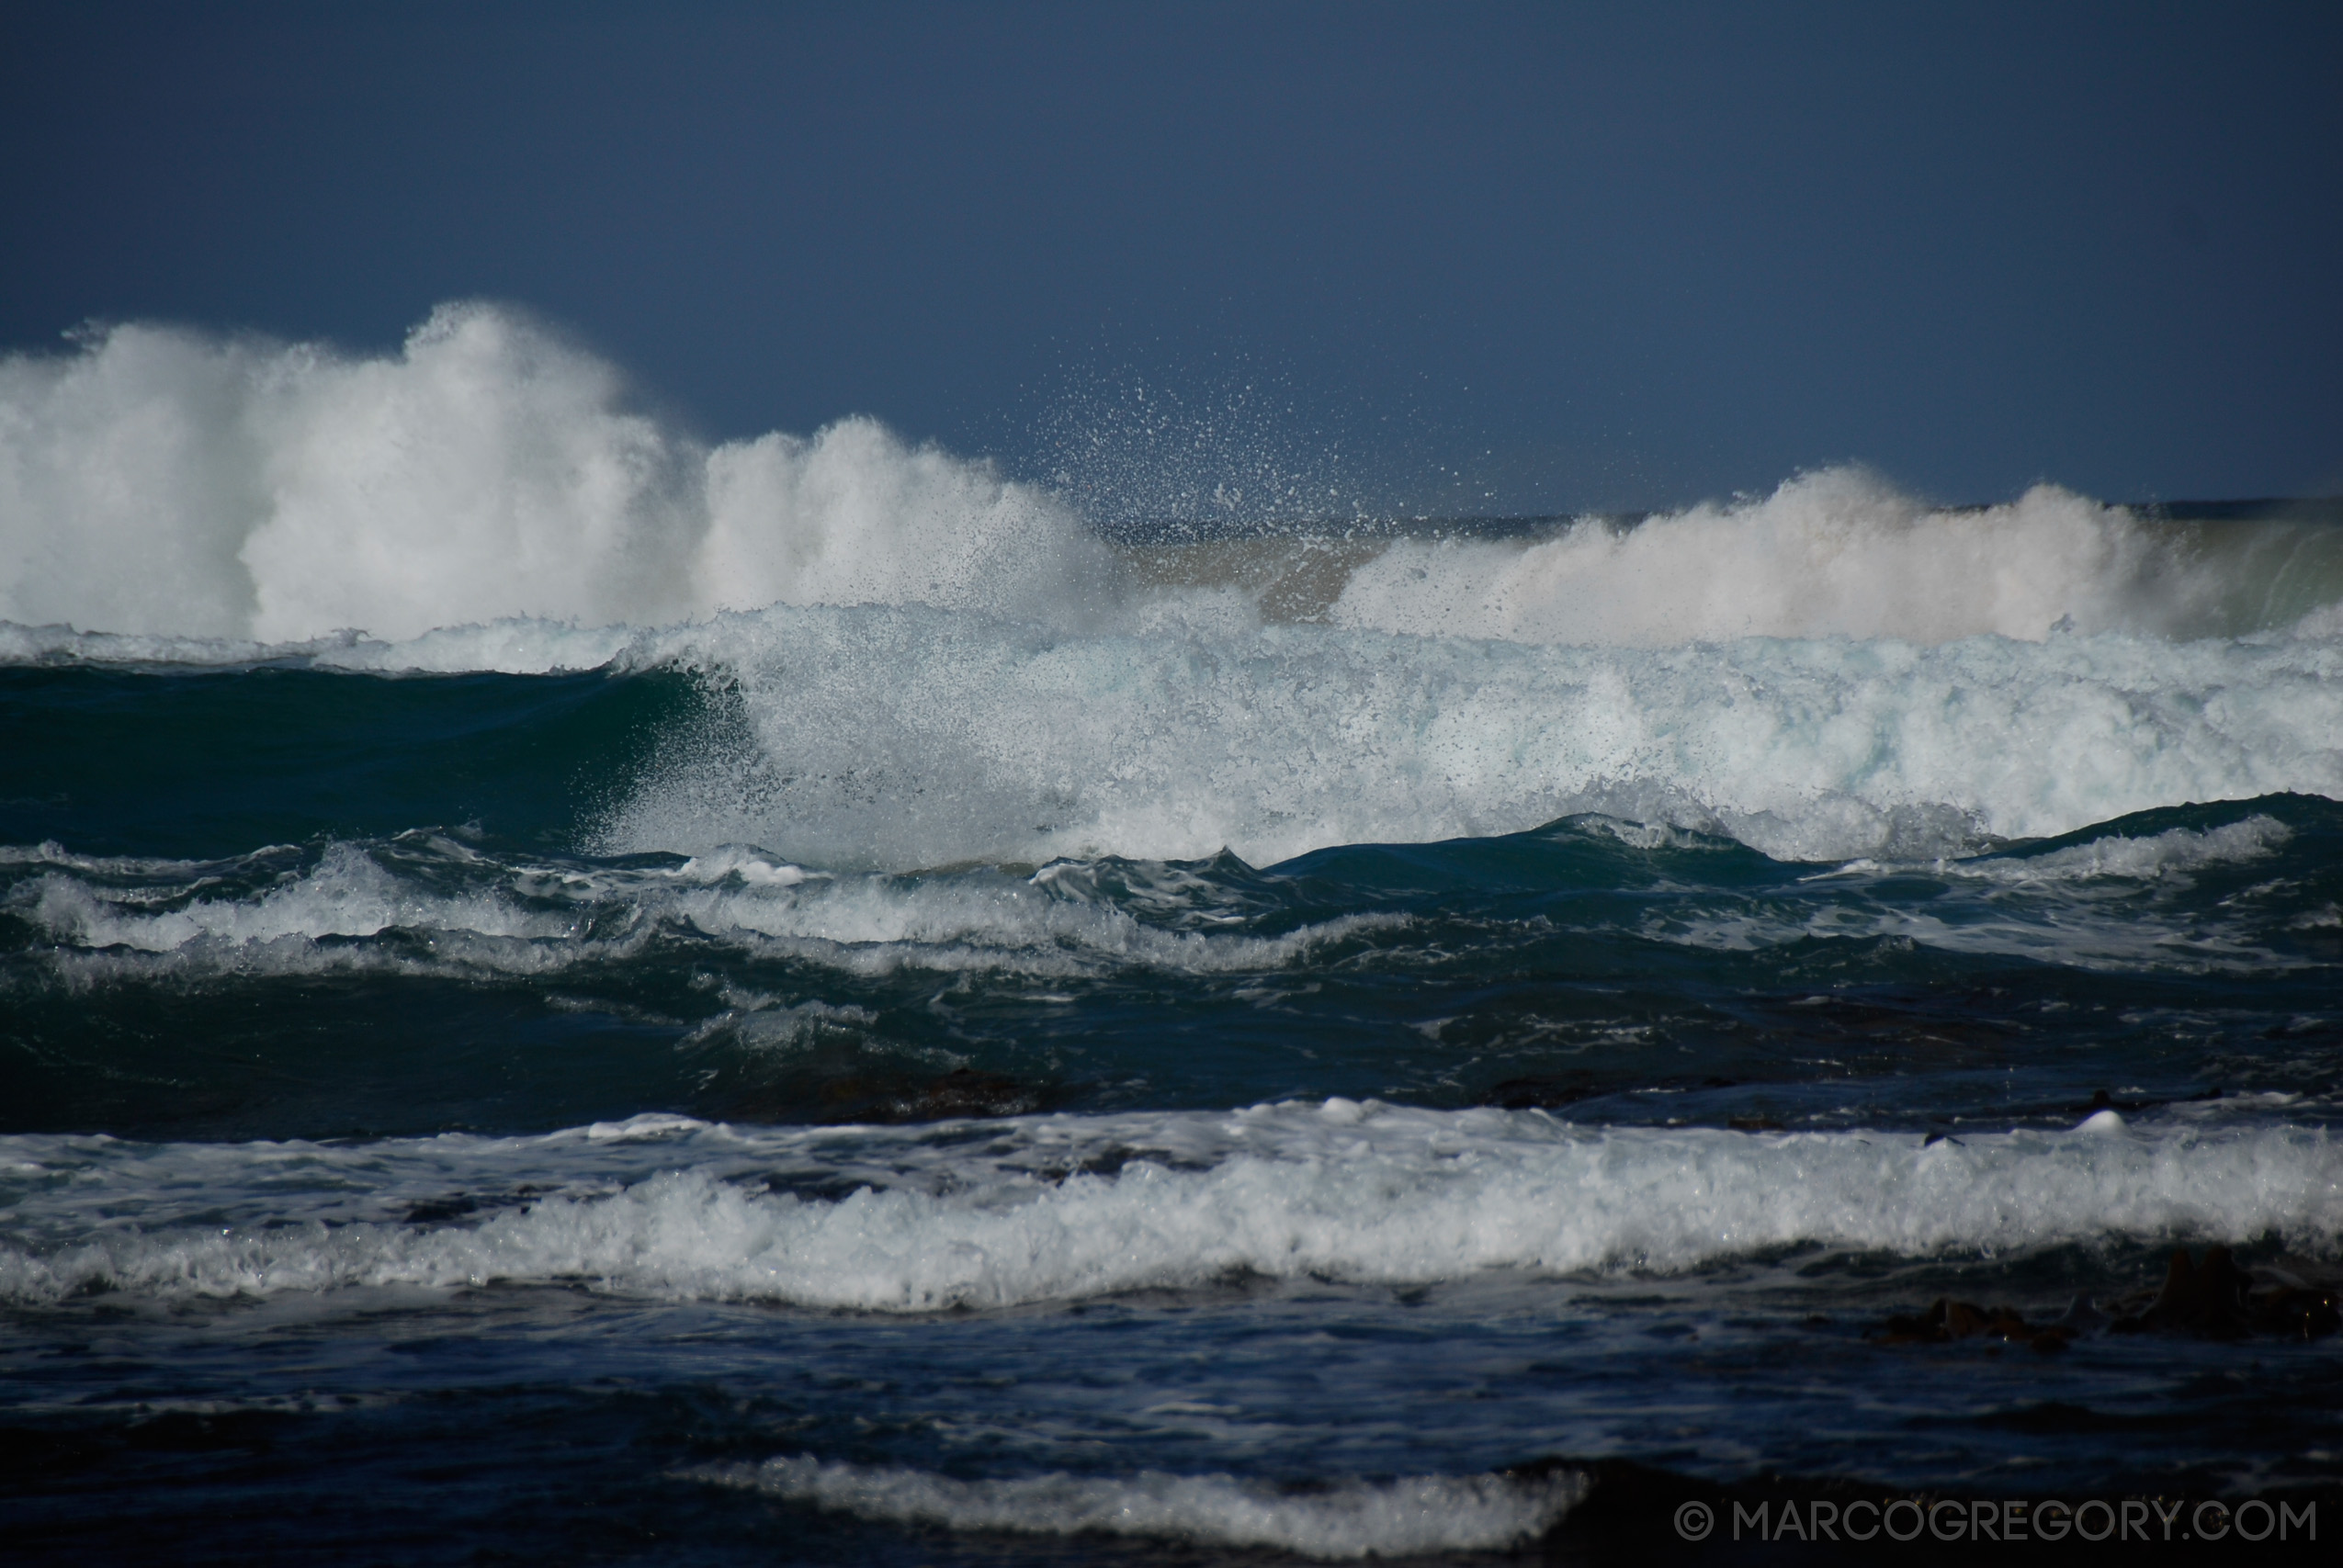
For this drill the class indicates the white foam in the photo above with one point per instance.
(470, 914)
(180, 496)
(168, 484)
(348, 892)
(902, 738)
(2093, 905)
(433, 906)
(2122, 938)
(1412, 1513)
(517, 646)
(1354, 1191)
(2176, 851)
(1841, 553)
(1013, 690)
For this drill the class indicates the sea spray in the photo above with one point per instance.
(163, 482)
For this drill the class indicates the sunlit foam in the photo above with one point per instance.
(905, 738)
(1839, 553)
(165, 484)
(913, 660)
(160, 481)
(1344, 1190)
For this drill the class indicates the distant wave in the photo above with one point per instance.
(1839, 553)
(162, 483)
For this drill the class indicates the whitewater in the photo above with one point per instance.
(1828, 671)
(814, 996)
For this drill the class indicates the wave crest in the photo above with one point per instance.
(161, 481)
(1841, 553)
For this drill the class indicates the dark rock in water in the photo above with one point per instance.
(881, 1097)
(2298, 1314)
(2287, 1299)
(1947, 1320)
(2207, 1298)
(1542, 1091)
(2103, 1100)
(2081, 1316)
(2212, 1299)
(2220, 1300)
(962, 1092)
(1110, 1161)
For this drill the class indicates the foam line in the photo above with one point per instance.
(174, 919)
(1412, 1514)
(1345, 1190)
(423, 903)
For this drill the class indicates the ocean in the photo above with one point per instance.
(571, 992)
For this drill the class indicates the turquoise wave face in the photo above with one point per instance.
(502, 1040)
(199, 764)
(420, 944)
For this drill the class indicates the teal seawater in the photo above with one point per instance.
(391, 1172)
(301, 903)
(571, 991)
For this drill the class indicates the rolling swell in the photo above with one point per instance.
(663, 1207)
(1604, 970)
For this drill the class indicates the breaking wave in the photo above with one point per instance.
(1346, 1190)
(902, 737)
(914, 661)
(168, 485)
(164, 482)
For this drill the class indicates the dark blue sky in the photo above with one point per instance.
(1582, 255)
